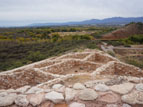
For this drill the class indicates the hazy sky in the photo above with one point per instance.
(20, 12)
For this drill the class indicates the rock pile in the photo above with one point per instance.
(84, 79)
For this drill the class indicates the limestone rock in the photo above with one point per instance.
(3, 94)
(139, 98)
(21, 101)
(122, 88)
(130, 98)
(89, 84)
(47, 90)
(2, 91)
(61, 89)
(75, 104)
(101, 87)
(126, 105)
(69, 94)
(88, 94)
(109, 97)
(133, 79)
(78, 86)
(23, 89)
(7, 99)
(34, 90)
(139, 87)
(36, 99)
(11, 91)
(57, 86)
(54, 96)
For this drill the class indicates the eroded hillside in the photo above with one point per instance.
(127, 31)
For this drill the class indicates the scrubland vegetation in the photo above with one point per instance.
(21, 46)
(132, 40)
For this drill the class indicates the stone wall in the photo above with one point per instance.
(84, 79)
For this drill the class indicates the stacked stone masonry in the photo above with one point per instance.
(90, 78)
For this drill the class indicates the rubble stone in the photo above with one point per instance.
(122, 88)
(21, 100)
(6, 100)
(78, 86)
(101, 87)
(54, 96)
(139, 87)
(69, 94)
(88, 94)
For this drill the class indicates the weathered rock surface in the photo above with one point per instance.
(126, 105)
(57, 86)
(7, 99)
(70, 94)
(139, 87)
(21, 100)
(133, 98)
(36, 99)
(101, 87)
(76, 104)
(78, 86)
(122, 88)
(88, 94)
(54, 96)
(89, 84)
(109, 97)
(23, 89)
(34, 90)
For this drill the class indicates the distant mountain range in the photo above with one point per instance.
(107, 21)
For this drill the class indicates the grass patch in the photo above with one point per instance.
(135, 62)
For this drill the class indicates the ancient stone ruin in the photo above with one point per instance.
(90, 78)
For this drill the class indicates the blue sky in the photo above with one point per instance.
(22, 12)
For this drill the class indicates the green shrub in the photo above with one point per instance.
(35, 56)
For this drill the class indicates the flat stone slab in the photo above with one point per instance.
(36, 99)
(57, 86)
(7, 99)
(122, 88)
(108, 97)
(87, 94)
(135, 97)
(21, 100)
(54, 97)
(78, 86)
(101, 87)
(70, 94)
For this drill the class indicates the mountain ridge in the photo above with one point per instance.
(106, 21)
